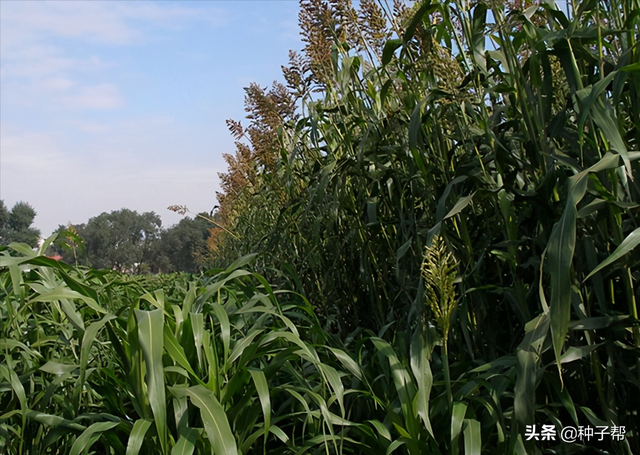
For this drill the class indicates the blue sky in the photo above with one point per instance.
(112, 104)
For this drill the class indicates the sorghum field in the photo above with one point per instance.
(427, 243)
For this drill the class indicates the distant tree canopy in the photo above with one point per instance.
(121, 240)
(127, 241)
(182, 247)
(15, 225)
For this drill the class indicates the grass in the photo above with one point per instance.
(511, 132)
(503, 138)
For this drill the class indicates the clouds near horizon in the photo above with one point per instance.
(107, 105)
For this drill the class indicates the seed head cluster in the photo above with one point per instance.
(439, 273)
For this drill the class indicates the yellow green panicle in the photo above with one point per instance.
(439, 274)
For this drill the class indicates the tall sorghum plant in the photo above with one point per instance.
(511, 131)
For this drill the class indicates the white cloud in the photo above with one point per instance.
(61, 93)
(54, 67)
(57, 84)
(88, 127)
(42, 75)
(103, 96)
(66, 185)
(34, 60)
(147, 122)
(36, 63)
(24, 153)
(97, 22)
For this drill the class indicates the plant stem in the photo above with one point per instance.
(216, 224)
(447, 383)
(447, 378)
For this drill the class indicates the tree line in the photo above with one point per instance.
(122, 240)
(15, 224)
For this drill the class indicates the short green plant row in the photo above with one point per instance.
(98, 362)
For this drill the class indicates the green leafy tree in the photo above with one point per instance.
(4, 218)
(127, 241)
(121, 240)
(181, 248)
(15, 225)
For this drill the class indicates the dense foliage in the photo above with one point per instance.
(154, 364)
(511, 130)
(182, 247)
(127, 241)
(15, 224)
(446, 234)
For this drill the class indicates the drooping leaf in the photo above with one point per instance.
(214, 418)
(90, 436)
(627, 245)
